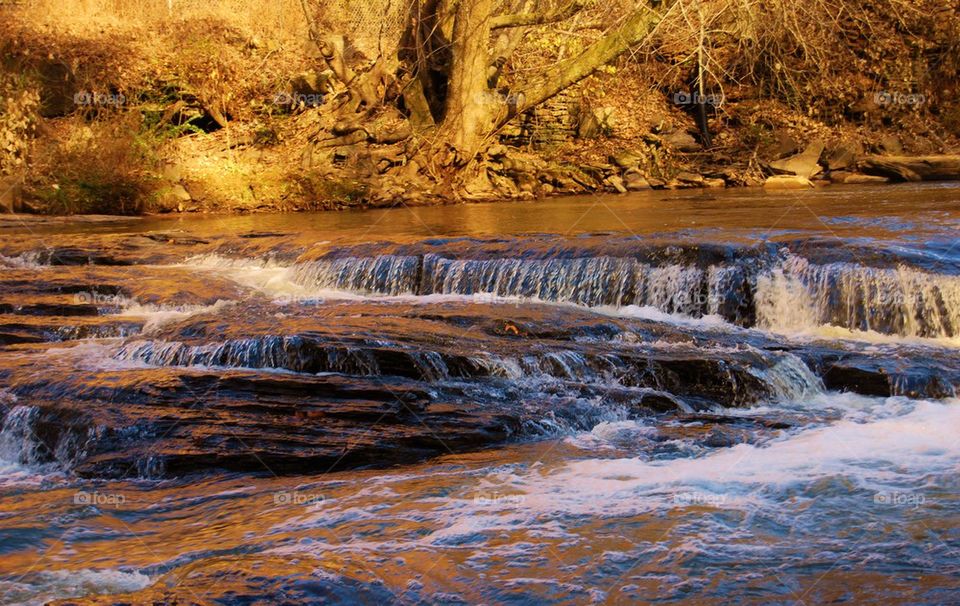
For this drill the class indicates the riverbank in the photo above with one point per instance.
(227, 111)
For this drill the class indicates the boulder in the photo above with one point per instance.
(635, 181)
(844, 156)
(174, 199)
(682, 141)
(616, 182)
(596, 123)
(626, 159)
(805, 164)
(787, 182)
(690, 179)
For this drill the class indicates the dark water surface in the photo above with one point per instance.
(676, 398)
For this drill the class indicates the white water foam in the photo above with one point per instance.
(46, 586)
(648, 312)
(27, 260)
(274, 279)
(913, 441)
(156, 316)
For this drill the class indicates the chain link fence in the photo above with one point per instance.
(371, 26)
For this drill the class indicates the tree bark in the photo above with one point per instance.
(470, 112)
(910, 168)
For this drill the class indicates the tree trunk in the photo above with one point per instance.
(470, 112)
(915, 168)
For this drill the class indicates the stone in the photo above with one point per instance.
(715, 183)
(616, 183)
(635, 181)
(843, 156)
(682, 141)
(599, 122)
(688, 178)
(174, 199)
(626, 159)
(805, 164)
(787, 182)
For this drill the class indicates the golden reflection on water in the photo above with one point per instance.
(735, 214)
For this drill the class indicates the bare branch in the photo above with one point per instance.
(529, 19)
(565, 74)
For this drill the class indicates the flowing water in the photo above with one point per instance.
(683, 398)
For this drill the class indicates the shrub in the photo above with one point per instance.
(18, 111)
(103, 167)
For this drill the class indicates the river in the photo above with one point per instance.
(691, 397)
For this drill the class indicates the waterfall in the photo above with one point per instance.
(17, 441)
(385, 274)
(903, 301)
(272, 352)
(588, 281)
(785, 293)
(790, 379)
